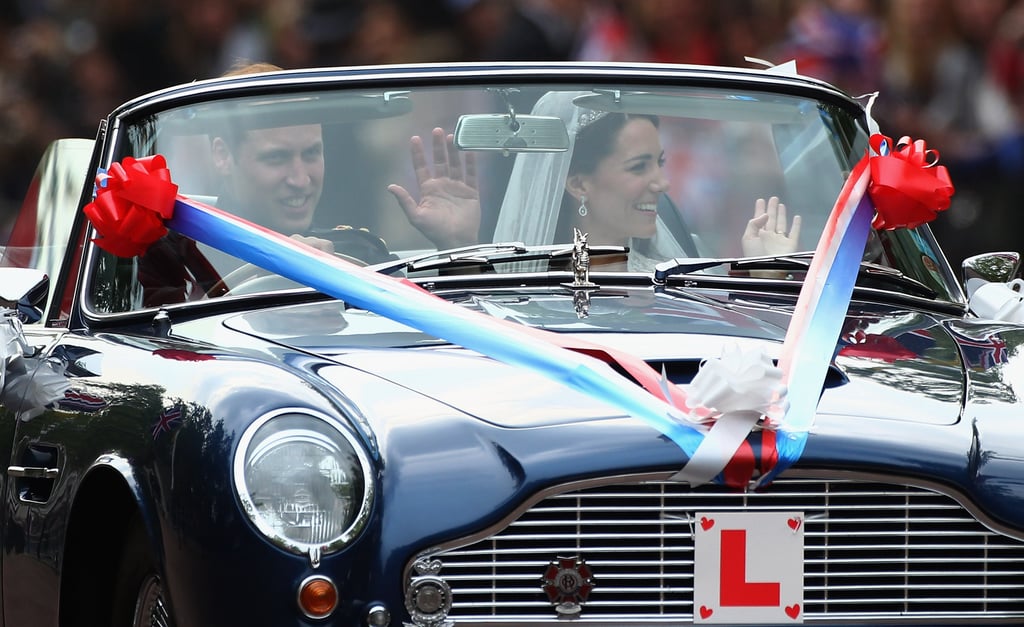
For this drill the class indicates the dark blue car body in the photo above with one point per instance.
(122, 490)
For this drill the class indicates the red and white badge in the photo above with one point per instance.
(748, 568)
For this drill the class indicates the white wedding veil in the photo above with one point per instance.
(533, 198)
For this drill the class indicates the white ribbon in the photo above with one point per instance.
(739, 380)
(27, 384)
(997, 301)
(36, 384)
(11, 342)
(734, 392)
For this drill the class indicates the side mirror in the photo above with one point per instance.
(999, 267)
(26, 290)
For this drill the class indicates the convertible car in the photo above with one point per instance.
(209, 419)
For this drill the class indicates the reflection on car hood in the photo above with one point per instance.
(890, 365)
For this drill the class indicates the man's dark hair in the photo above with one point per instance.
(233, 131)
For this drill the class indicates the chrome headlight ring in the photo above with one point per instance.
(304, 480)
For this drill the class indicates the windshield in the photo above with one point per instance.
(378, 176)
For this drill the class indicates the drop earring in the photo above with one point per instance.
(583, 206)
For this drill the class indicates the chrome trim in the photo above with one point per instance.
(33, 472)
(886, 551)
(302, 585)
(378, 616)
(313, 551)
(221, 87)
(428, 577)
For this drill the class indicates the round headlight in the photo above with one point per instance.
(303, 480)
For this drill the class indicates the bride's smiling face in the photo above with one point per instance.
(622, 192)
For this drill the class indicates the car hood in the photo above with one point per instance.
(902, 382)
(896, 365)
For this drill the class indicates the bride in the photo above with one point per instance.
(609, 184)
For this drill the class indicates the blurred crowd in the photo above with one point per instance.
(948, 71)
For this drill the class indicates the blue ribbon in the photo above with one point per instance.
(407, 305)
(820, 338)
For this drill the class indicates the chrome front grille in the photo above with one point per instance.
(873, 552)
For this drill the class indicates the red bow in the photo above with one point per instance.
(132, 201)
(908, 187)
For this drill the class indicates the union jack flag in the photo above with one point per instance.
(169, 418)
(81, 401)
(982, 351)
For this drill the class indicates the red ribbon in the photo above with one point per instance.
(908, 187)
(132, 201)
(177, 354)
(876, 346)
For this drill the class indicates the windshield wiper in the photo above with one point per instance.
(488, 255)
(875, 272)
(868, 272)
(689, 265)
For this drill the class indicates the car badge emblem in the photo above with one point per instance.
(428, 597)
(568, 582)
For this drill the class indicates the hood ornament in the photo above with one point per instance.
(581, 285)
(568, 582)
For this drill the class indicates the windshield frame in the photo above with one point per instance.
(117, 137)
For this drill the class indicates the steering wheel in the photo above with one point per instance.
(250, 279)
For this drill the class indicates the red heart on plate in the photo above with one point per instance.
(706, 612)
(706, 523)
(793, 611)
(794, 523)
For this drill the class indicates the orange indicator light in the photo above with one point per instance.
(318, 597)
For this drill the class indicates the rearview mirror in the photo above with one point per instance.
(508, 133)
